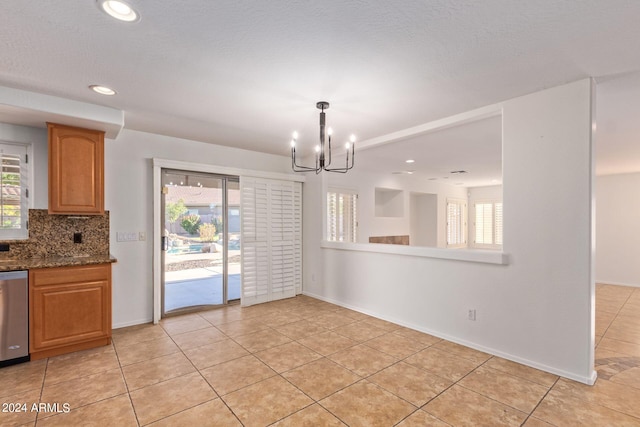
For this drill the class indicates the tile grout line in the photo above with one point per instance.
(124, 380)
(44, 378)
(614, 319)
(540, 402)
(218, 396)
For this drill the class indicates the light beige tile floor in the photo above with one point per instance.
(304, 362)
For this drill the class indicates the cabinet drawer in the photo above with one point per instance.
(67, 275)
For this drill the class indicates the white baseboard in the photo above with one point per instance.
(131, 323)
(613, 282)
(589, 380)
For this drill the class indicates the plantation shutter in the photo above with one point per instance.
(297, 235)
(341, 216)
(498, 223)
(488, 223)
(255, 252)
(332, 216)
(484, 223)
(272, 239)
(455, 223)
(14, 190)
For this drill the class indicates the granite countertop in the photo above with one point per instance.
(53, 261)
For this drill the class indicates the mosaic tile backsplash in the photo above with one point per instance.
(53, 235)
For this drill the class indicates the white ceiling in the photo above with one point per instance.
(474, 147)
(247, 73)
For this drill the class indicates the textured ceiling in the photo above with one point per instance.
(247, 73)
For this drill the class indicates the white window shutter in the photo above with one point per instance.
(456, 223)
(332, 216)
(271, 255)
(297, 235)
(484, 223)
(498, 223)
(342, 222)
(488, 224)
(255, 273)
(255, 245)
(14, 194)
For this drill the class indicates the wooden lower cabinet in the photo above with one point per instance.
(69, 309)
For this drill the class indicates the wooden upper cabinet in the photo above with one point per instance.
(76, 170)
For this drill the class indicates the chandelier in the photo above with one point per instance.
(323, 152)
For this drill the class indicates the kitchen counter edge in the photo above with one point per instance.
(56, 261)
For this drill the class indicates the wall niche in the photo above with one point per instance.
(389, 202)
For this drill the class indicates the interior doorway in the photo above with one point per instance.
(201, 253)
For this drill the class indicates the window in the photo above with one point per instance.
(342, 221)
(456, 223)
(14, 194)
(488, 224)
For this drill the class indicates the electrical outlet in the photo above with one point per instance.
(472, 314)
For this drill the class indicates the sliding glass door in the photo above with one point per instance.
(201, 240)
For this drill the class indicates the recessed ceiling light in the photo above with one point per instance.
(409, 161)
(102, 90)
(118, 9)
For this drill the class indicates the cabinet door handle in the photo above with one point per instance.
(165, 243)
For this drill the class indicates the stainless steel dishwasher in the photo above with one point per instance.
(14, 317)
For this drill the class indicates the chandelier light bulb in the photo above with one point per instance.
(329, 131)
(293, 143)
(352, 138)
(317, 148)
(347, 146)
(295, 135)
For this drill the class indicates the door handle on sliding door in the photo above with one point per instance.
(164, 244)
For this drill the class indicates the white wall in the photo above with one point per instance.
(492, 192)
(365, 184)
(538, 309)
(38, 138)
(129, 198)
(618, 229)
(423, 219)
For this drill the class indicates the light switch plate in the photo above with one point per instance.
(126, 236)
